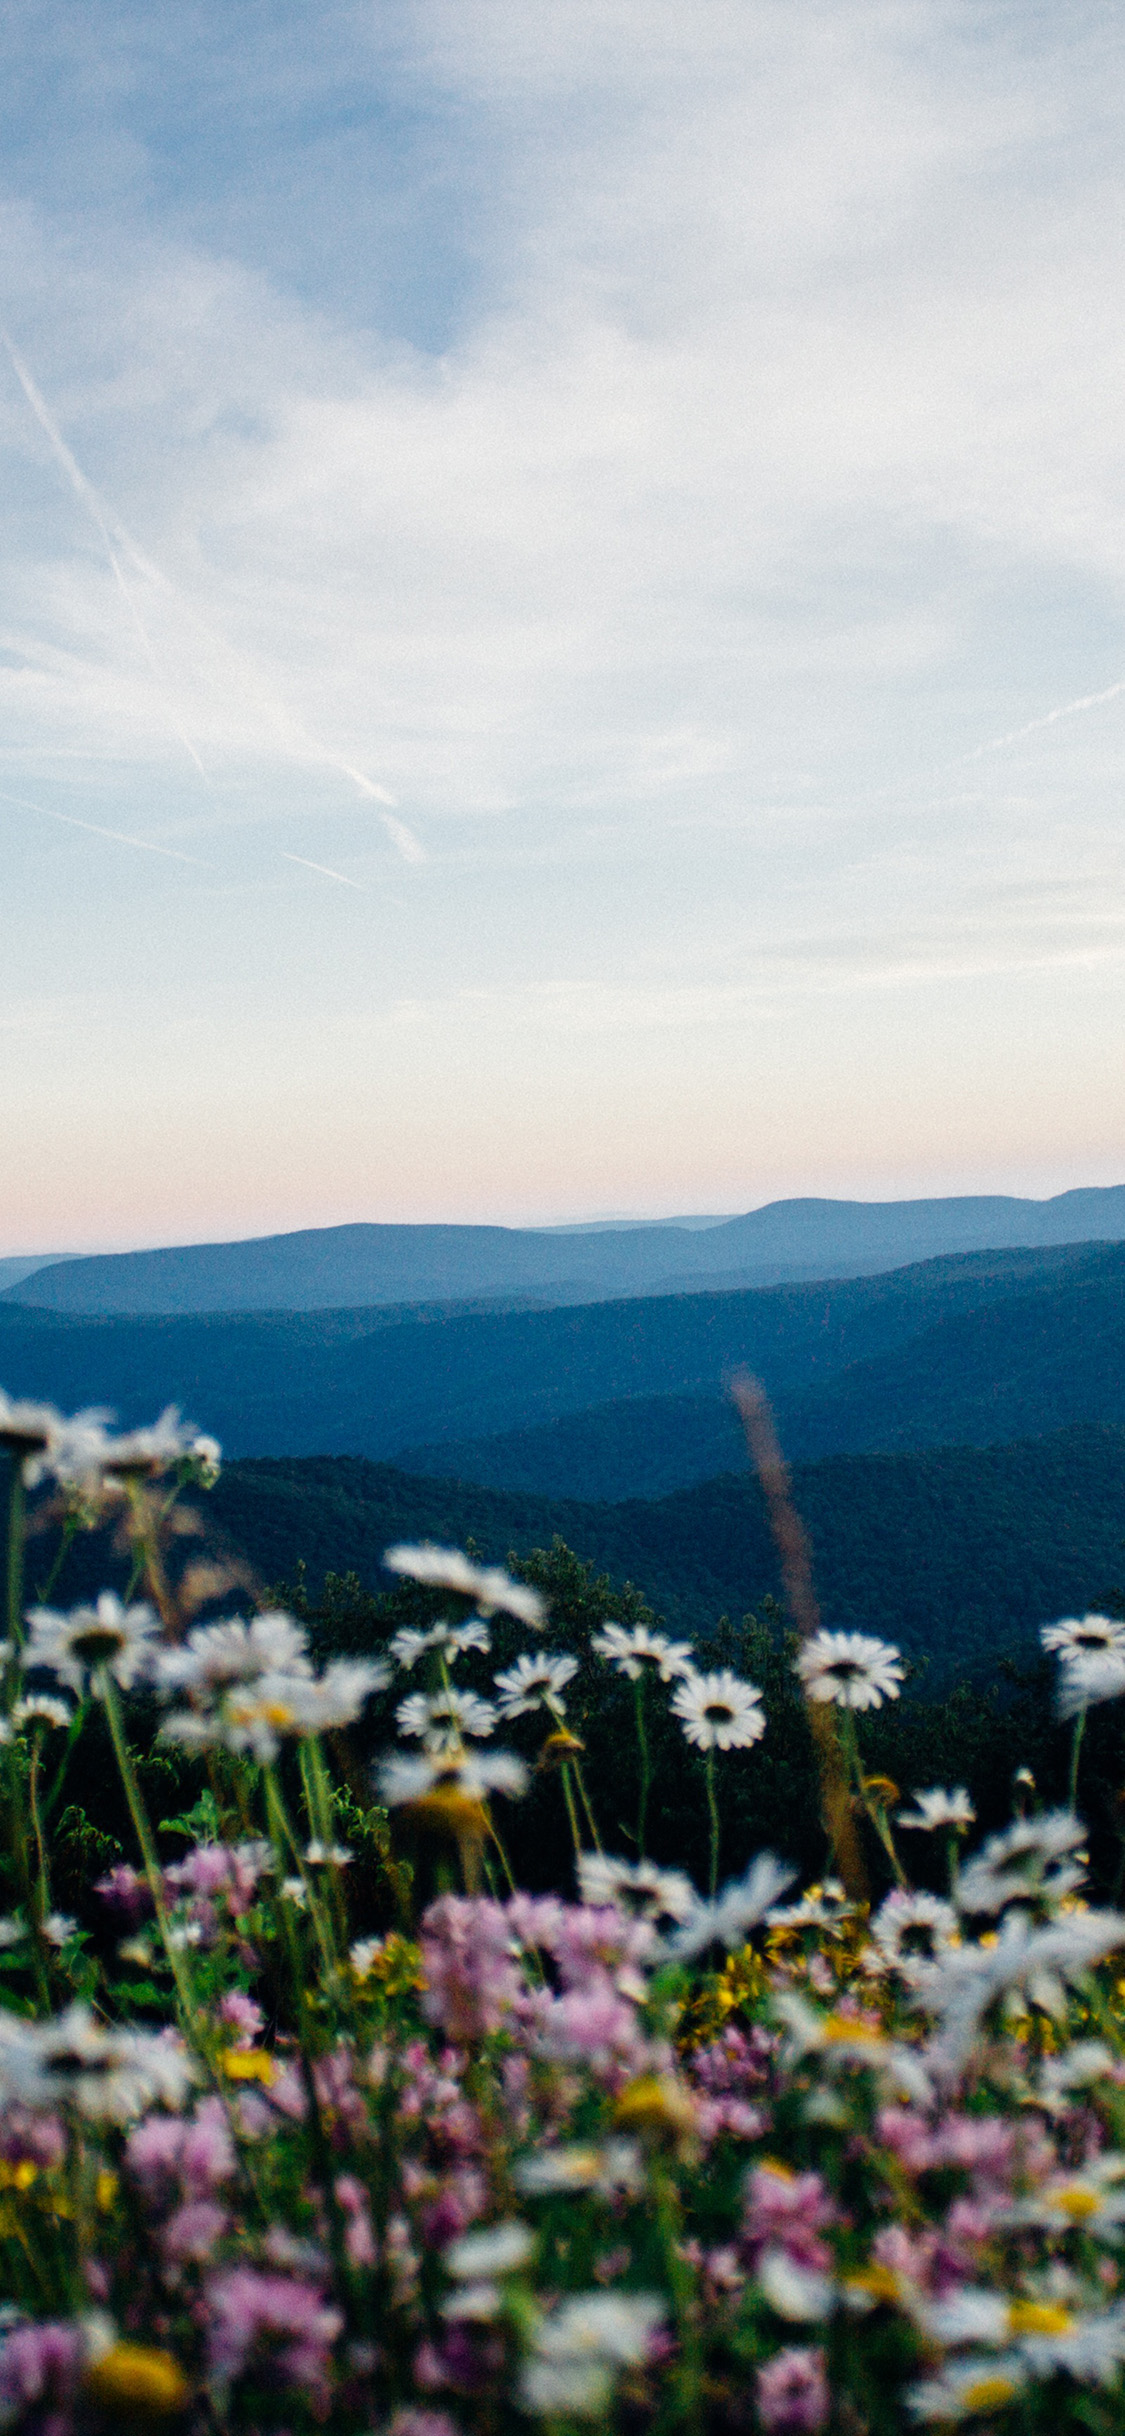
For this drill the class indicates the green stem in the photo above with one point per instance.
(591, 1821)
(1075, 1750)
(42, 1898)
(69, 1532)
(571, 1812)
(878, 1818)
(713, 1813)
(281, 1829)
(16, 1510)
(106, 1691)
(73, 1731)
(646, 1766)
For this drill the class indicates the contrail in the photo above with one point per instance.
(1066, 710)
(84, 490)
(323, 869)
(409, 846)
(143, 844)
(118, 542)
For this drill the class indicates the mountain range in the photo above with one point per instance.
(336, 1268)
(956, 1553)
(985, 1347)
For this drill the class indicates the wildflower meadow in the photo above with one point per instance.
(390, 2075)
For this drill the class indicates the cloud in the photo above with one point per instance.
(622, 480)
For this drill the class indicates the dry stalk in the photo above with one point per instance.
(793, 1550)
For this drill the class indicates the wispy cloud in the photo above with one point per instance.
(117, 837)
(322, 868)
(1051, 718)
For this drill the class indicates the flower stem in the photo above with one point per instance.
(16, 1504)
(713, 1811)
(106, 1690)
(646, 1765)
(1075, 1750)
(572, 1814)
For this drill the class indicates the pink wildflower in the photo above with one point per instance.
(250, 2314)
(734, 2063)
(193, 2230)
(232, 1870)
(170, 2155)
(422, 2423)
(787, 2211)
(31, 2139)
(242, 2016)
(359, 2237)
(126, 1891)
(471, 1979)
(792, 2393)
(602, 1940)
(39, 2371)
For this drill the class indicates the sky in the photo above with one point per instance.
(562, 609)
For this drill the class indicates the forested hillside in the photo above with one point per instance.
(959, 1553)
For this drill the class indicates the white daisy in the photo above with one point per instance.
(637, 1887)
(165, 1442)
(939, 1809)
(472, 1774)
(851, 1668)
(736, 1910)
(534, 1683)
(110, 2075)
(58, 1927)
(820, 1907)
(615, 2169)
(579, 2350)
(497, 2250)
(442, 1719)
(257, 1715)
(635, 1651)
(336, 1698)
(1034, 1861)
(41, 1708)
(91, 1642)
(719, 1712)
(1083, 1636)
(1088, 1678)
(911, 1932)
(409, 1645)
(46, 1443)
(490, 1588)
(969, 2388)
(233, 1651)
(27, 1428)
(1040, 1962)
(365, 1953)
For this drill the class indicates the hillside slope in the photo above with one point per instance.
(371, 1383)
(1005, 1369)
(956, 1553)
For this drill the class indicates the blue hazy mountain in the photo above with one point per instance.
(997, 1344)
(957, 1553)
(334, 1268)
(19, 1265)
(1011, 1365)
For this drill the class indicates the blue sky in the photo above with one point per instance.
(561, 609)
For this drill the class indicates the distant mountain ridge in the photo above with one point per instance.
(983, 1346)
(336, 1268)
